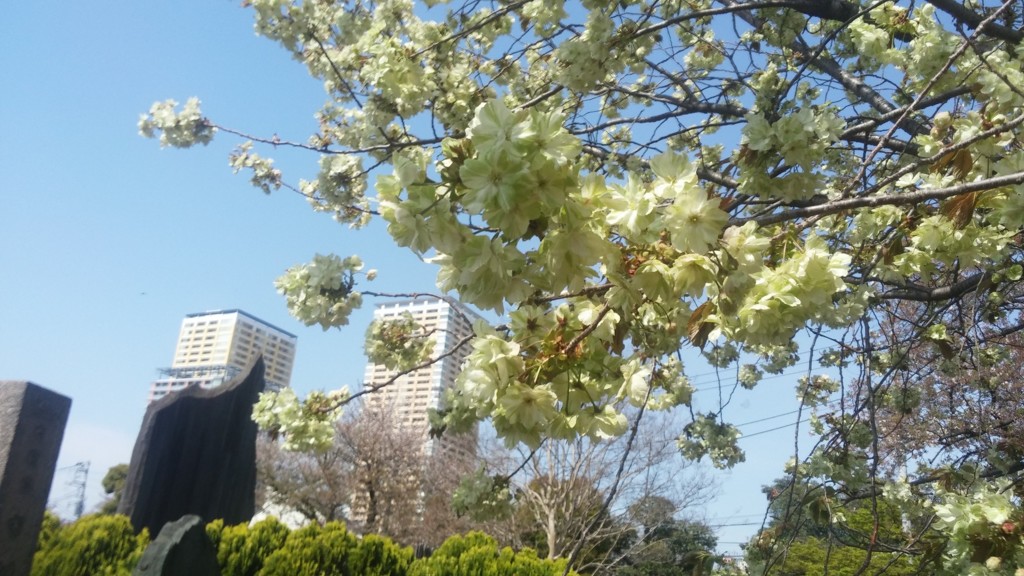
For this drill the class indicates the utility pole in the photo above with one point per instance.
(77, 483)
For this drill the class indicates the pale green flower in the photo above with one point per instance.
(630, 208)
(398, 343)
(496, 180)
(480, 387)
(608, 423)
(694, 221)
(706, 436)
(495, 129)
(672, 167)
(323, 291)
(567, 258)
(636, 385)
(528, 407)
(745, 246)
(758, 133)
(547, 136)
(530, 324)
(690, 273)
(178, 129)
(304, 426)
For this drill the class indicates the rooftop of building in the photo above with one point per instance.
(242, 313)
(426, 300)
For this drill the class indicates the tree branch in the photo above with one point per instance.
(923, 294)
(973, 20)
(828, 207)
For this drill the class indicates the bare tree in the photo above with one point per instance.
(313, 485)
(562, 492)
(376, 477)
(386, 468)
(438, 520)
(369, 477)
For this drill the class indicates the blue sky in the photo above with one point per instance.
(107, 241)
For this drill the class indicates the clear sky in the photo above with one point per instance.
(107, 241)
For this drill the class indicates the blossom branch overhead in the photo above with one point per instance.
(626, 181)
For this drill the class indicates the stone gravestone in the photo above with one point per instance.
(181, 549)
(32, 421)
(196, 454)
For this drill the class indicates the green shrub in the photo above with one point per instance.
(97, 545)
(378, 556)
(48, 530)
(268, 549)
(313, 551)
(526, 563)
(477, 554)
(105, 545)
(242, 550)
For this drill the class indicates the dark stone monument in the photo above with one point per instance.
(32, 421)
(196, 454)
(181, 549)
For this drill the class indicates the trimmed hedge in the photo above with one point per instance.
(95, 545)
(315, 551)
(241, 549)
(379, 556)
(477, 554)
(107, 546)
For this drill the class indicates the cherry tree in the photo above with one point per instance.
(626, 180)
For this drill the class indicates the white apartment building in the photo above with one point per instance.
(213, 347)
(409, 397)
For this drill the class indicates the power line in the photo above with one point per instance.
(732, 380)
(784, 426)
(732, 516)
(766, 418)
(834, 404)
(801, 353)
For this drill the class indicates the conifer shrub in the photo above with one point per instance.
(48, 530)
(477, 554)
(242, 550)
(106, 545)
(95, 545)
(313, 551)
(379, 556)
(526, 563)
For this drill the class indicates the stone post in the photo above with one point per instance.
(32, 421)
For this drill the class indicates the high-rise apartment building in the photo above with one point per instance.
(409, 397)
(214, 347)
